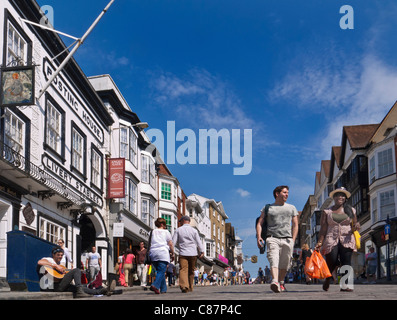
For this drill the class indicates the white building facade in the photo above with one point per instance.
(52, 162)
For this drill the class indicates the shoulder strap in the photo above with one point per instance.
(267, 209)
(150, 240)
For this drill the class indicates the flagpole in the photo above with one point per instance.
(79, 43)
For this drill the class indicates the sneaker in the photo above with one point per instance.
(275, 287)
(282, 287)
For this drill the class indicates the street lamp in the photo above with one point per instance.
(141, 125)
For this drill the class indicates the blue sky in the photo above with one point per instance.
(282, 68)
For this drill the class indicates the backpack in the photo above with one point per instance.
(264, 225)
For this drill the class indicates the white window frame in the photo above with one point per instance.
(96, 162)
(51, 231)
(374, 169)
(54, 127)
(392, 203)
(147, 211)
(374, 210)
(148, 170)
(208, 249)
(131, 195)
(128, 145)
(389, 164)
(77, 150)
(133, 146)
(145, 168)
(14, 133)
(124, 142)
(17, 49)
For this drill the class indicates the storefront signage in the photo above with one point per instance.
(17, 86)
(118, 230)
(70, 181)
(144, 233)
(72, 100)
(116, 178)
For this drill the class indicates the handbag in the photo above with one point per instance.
(148, 260)
(316, 267)
(357, 238)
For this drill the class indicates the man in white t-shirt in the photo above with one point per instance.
(282, 230)
(94, 263)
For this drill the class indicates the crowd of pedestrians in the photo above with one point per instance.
(279, 220)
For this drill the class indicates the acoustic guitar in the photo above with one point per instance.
(55, 273)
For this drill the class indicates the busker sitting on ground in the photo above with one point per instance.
(55, 277)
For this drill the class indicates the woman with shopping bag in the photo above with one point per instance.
(336, 239)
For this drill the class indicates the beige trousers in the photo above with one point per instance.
(186, 272)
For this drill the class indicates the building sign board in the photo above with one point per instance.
(70, 97)
(118, 230)
(116, 178)
(17, 86)
(69, 181)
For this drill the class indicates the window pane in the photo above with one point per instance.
(387, 206)
(385, 163)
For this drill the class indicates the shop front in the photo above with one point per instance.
(385, 240)
(134, 231)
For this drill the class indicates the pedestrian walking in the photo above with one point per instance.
(260, 275)
(267, 274)
(305, 253)
(141, 267)
(371, 261)
(226, 277)
(170, 273)
(196, 276)
(280, 236)
(247, 277)
(94, 263)
(128, 263)
(336, 239)
(187, 239)
(161, 253)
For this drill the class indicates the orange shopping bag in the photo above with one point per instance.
(316, 266)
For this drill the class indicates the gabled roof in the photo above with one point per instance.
(325, 164)
(335, 158)
(335, 155)
(388, 122)
(359, 136)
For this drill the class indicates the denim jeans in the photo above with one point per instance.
(159, 282)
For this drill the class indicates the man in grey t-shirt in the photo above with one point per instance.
(282, 230)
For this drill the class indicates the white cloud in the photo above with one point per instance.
(243, 193)
(347, 91)
(205, 101)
